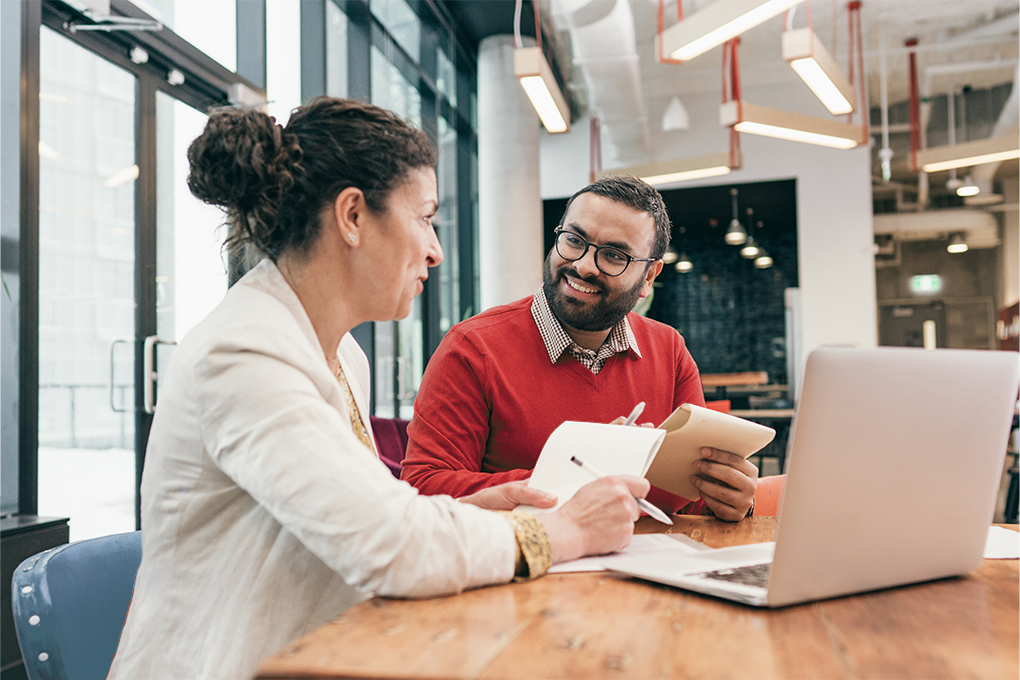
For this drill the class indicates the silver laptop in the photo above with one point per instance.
(895, 464)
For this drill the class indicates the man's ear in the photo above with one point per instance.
(348, 210)
(653, 271)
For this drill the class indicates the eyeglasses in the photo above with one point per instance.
(610, 261)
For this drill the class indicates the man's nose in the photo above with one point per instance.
(585, 266)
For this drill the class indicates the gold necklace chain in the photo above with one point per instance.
(352, 410)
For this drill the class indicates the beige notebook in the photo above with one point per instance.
(691, 428)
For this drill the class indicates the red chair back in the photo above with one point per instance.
(390, 441)
(768, 496)
(723, 405)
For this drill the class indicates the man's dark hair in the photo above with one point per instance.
(637, 194)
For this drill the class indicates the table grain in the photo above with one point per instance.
(600, 625)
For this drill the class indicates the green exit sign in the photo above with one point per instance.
(926, 283)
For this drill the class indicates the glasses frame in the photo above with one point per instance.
(559, 231)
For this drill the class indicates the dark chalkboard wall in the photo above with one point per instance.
(731, 314)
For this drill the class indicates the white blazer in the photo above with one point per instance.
(263, 515)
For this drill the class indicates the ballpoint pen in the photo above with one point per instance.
(642, 503)
(632, 418)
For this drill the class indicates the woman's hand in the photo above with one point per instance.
(599, 519)
(623, 419)
(727, 482)
(508, 496)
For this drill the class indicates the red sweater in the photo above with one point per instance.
(490, 398)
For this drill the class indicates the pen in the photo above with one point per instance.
(642, 503)
(632, 418)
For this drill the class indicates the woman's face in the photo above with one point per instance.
(405, 245)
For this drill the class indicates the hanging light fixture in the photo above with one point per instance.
(795, 127)
(684, 264)
(670, 256)
(967, 154)
(669, 172)
(735, 235)
(532, 69)
(816, 67)
(717, 23)
(764, 260)
(750, 249)
(957, 243)
(968, 187)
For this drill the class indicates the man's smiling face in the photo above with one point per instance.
(580, 295)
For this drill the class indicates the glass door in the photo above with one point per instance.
(94, 402)
(87, 231)
(191, 267)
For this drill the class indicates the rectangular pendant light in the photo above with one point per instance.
(668, 172)
(796, 127)
(817, 68)
(991, 150)
(538, 82)
(717, 23)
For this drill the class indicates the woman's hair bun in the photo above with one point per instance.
(244, 162)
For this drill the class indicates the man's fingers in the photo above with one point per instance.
(722, 510)
(519, 493)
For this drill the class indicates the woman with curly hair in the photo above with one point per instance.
(265, 509)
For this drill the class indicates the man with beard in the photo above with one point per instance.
(502, 381)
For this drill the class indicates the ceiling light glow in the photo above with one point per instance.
(717, 23)
(538, 82)
(818, 70)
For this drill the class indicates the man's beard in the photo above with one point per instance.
(599, 315)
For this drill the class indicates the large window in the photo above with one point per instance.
(113, 258)
(404, 56)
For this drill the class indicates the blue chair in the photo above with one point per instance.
(70, 603)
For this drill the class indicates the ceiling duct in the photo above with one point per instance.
(981, 228)
(605, 51)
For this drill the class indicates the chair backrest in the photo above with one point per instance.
(390, 441)
(769, 495)
(720, 405)
(70, 603)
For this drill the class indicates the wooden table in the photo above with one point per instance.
(605, 626)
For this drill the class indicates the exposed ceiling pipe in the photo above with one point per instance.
(885, 153)
(605, 49)
(919, 114)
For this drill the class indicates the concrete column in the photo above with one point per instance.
(510, 244)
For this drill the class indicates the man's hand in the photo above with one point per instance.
(599, 519)
(730, 491)
(508, 496)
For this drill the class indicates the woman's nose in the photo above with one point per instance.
(434, 254)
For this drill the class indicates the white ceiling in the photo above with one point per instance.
(961, 32)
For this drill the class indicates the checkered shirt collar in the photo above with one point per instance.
(557, 341)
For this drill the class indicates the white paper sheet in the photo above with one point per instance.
(1002, 544)
(642, 545)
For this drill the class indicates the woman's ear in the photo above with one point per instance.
(348, 215)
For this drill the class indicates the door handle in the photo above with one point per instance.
(113, 405)
(149, 374)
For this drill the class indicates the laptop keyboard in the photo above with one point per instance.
(751, 575)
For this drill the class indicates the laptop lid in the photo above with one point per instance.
(895, 465)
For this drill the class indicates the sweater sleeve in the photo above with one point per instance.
(448, 433)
